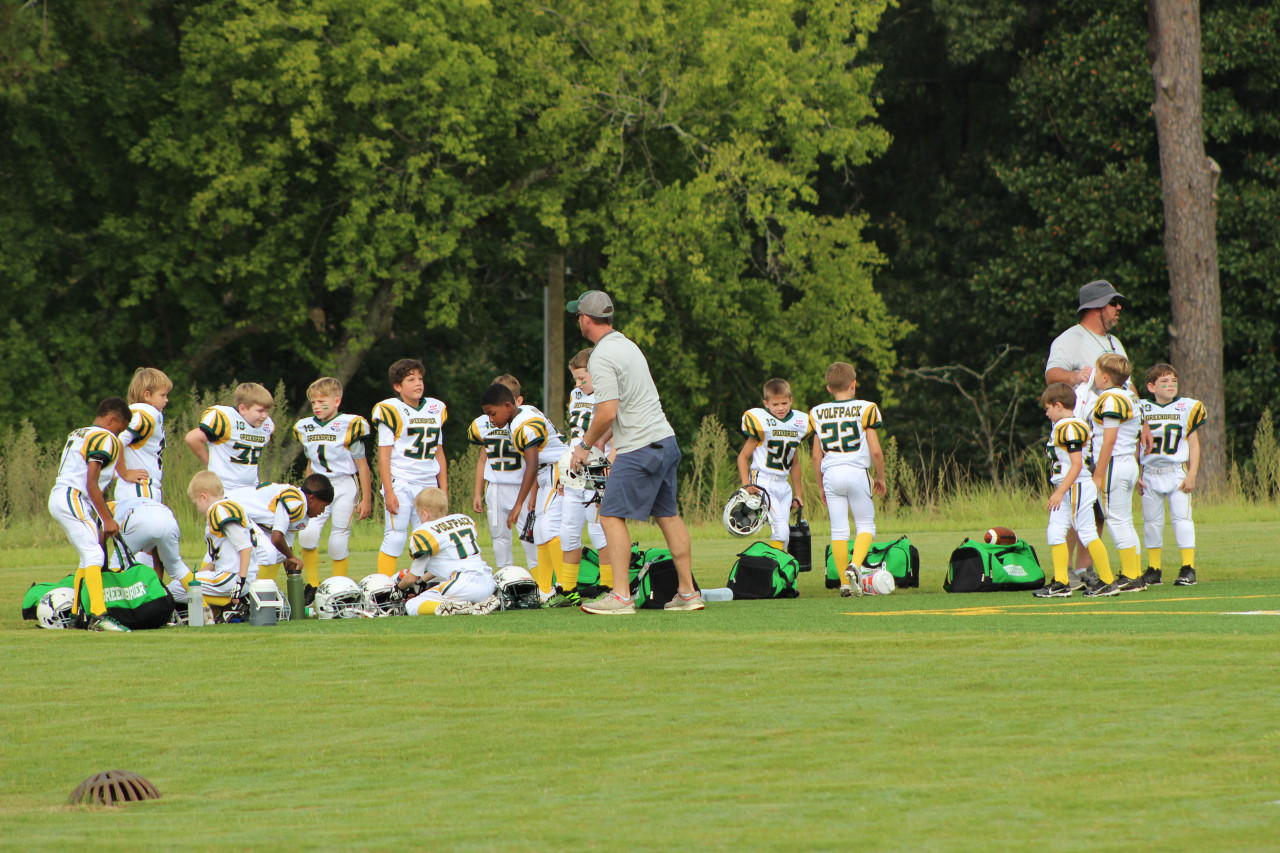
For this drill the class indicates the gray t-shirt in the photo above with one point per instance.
(619, 371)
(1078, 347)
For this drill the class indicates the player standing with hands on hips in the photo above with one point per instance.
(642, 479)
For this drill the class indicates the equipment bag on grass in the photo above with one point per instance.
(654, 580)
(900, 557)
(762, 571)
(979, 567)
(589, 585)
(799, 543)
(31, 599)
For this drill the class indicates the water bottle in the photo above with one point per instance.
(720, 594)
(195, 603)
(296, 587)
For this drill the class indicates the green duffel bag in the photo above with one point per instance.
(135, 598)
(37, 591)
(654, 580)
(979, 567)
(899, 557)
(589, 585)
(763, 571)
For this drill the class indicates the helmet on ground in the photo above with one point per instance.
(745, 513)
(54, 609)
(591, 477)
(339, 598)
(379, 594)
(517, 589)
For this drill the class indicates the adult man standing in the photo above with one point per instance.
(642, 479)
(1071, 359)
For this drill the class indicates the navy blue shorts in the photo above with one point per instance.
(642, 482)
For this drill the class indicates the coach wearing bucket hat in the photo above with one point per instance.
(642, 479)
(1071, 360)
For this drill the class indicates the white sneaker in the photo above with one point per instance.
(846, 591)
(855, 581)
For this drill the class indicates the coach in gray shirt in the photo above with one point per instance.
(642, 479)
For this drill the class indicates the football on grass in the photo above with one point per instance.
(999, 536)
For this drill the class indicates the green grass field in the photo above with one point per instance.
(918, 721)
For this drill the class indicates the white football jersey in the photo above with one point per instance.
(1070, 435)
(1170, 425)
(143, 442)
(446, 546)
(582, 407)
(778, 438)
(234, 446)
(413, 435)
(839, 427)
(1116, 407)
(274, 506)
(530, 428)
(506, 464)
(228, 531)
(85, 444)
(333, 446)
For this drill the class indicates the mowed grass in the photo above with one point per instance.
(918, 721)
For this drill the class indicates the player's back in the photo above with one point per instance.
(413, 433)
(1116, 408)
(235, 447)
(82, 445)
(268, 502)
(840, 427)
(328, 444)
(1069, 435)
(450, 544)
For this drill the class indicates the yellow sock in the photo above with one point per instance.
(267, 573)
(840, 556)
(311, 565)
(606, 575)
(1188, 556)
(1101, 562)
(543, 571)
(566, 575)
(97, 602)
(1061, 560)
(1153, 559)
(777, 543)
(861, 545)
(571, 562)
(386, 564)
(340, 567)
(75, 586)
(1130, 562)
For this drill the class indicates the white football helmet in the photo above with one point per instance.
(380, 597)
(746, 513)
(339, 598)
(591, 477)
(54, 609)
(517, 589)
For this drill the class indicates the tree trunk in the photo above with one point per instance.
(1188, 181)
(555, 341)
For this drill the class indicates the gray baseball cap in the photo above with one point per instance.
(593, 303)
(1095, 294)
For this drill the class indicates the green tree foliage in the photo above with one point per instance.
(272, 190)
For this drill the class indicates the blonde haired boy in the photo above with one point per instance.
(499, 471)
(229, 441)
(334, 445)
(1117, 425)
(141, 467)
(1071, 503)
(846, 447)
(770, 460)
(447, 548)
(1169, 471)
(229, 563)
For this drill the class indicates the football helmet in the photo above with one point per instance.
(339, 598)
(380, 596)
(591, 477)
(746, 513)
(54, 609)
(517, 589)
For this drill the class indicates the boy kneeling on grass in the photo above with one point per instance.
(445, 548)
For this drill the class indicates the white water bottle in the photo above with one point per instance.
(721, 594)
(195, 603)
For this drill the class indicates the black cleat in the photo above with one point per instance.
(1186, 577)
(1131, 584)
(1053, 590)
(1102, 590)
(1152, 577)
